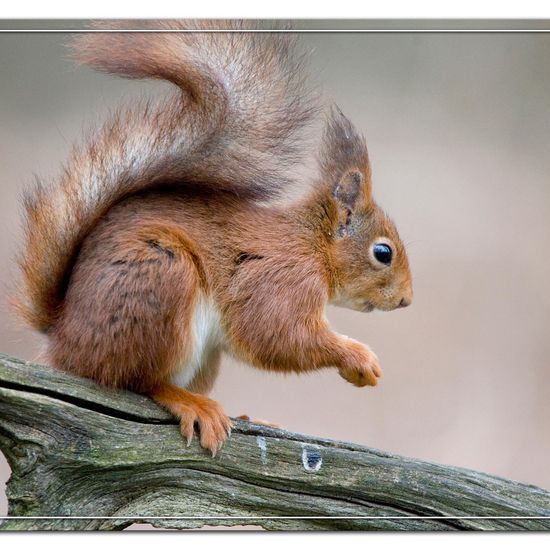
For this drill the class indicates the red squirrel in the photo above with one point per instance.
(159, 247)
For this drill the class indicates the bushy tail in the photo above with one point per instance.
(235, 125)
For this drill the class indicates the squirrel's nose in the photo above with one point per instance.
(405, 302)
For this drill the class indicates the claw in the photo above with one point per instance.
(195, 412)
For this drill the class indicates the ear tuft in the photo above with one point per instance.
(344, 149)
(344, 164)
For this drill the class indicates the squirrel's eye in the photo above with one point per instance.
(383, 253)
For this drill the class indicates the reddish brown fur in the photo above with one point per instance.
(191, 408)
(135, 267)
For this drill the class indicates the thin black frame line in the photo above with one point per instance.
(275, 517)
(297, 31)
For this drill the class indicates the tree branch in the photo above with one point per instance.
(98, 459)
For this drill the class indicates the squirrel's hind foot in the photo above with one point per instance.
(191, 408)
(258, 421)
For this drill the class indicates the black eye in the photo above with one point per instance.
(383, 253)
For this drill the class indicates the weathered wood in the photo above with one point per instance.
(98, 459)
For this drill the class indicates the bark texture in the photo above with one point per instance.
(86, 458)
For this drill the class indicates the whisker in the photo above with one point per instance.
(415, 242)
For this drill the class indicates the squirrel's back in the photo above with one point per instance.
(233, 126)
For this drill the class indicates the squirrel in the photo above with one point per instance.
(160, 246)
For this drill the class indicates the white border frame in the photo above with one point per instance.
(379, 31)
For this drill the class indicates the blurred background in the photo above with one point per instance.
(458, 128)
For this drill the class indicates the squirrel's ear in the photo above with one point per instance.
(347, 193)
(345, 167)
(347, 190)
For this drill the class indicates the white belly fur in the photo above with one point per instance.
(206, 336)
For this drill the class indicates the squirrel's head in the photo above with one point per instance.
(370, 262)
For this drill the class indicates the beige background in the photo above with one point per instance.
(458, 132)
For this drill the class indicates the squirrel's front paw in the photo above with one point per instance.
(360, 365)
